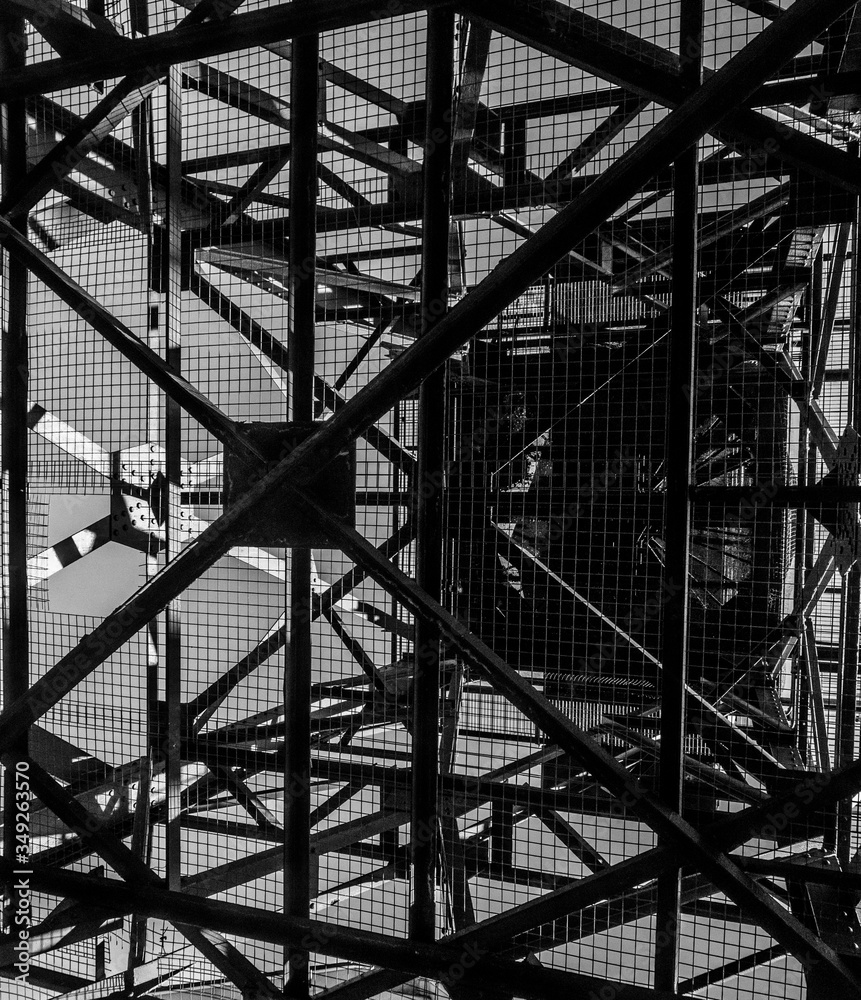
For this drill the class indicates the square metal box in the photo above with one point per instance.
(282, 524)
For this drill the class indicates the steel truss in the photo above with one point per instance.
(722, 736)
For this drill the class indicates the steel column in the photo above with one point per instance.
(171, 324)
(13, 452)
(297, 678)
(424, 821)
(846, 741)
(678, 459)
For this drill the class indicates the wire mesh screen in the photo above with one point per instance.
(558, 516)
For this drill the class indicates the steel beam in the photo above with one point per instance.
(346, 191)
(846, 738)
(347, 81)
(369, 342)
(333, 839)
(573, 840)
(820, 725)
(638, 904)
(296, 855)
(601, 137)
(822, 338)
(738, 967)
(234, 158)
(256, 184)
(250, 265)
(473, 64)
(806, 89)
(678, 468)
(141, 843)
(49, 979)
(169, 327)
(762, 8)
(354, 648)
(424, 821)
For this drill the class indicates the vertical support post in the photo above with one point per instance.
(808, 358)
(171, 281)
(677, 513)
(99, 970)
(140, 846)
(851, 606)
(297, 679)
(431, 457)
(16, 654)
(396, 523)
(397, 192)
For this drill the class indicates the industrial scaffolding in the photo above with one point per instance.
(429, 513)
